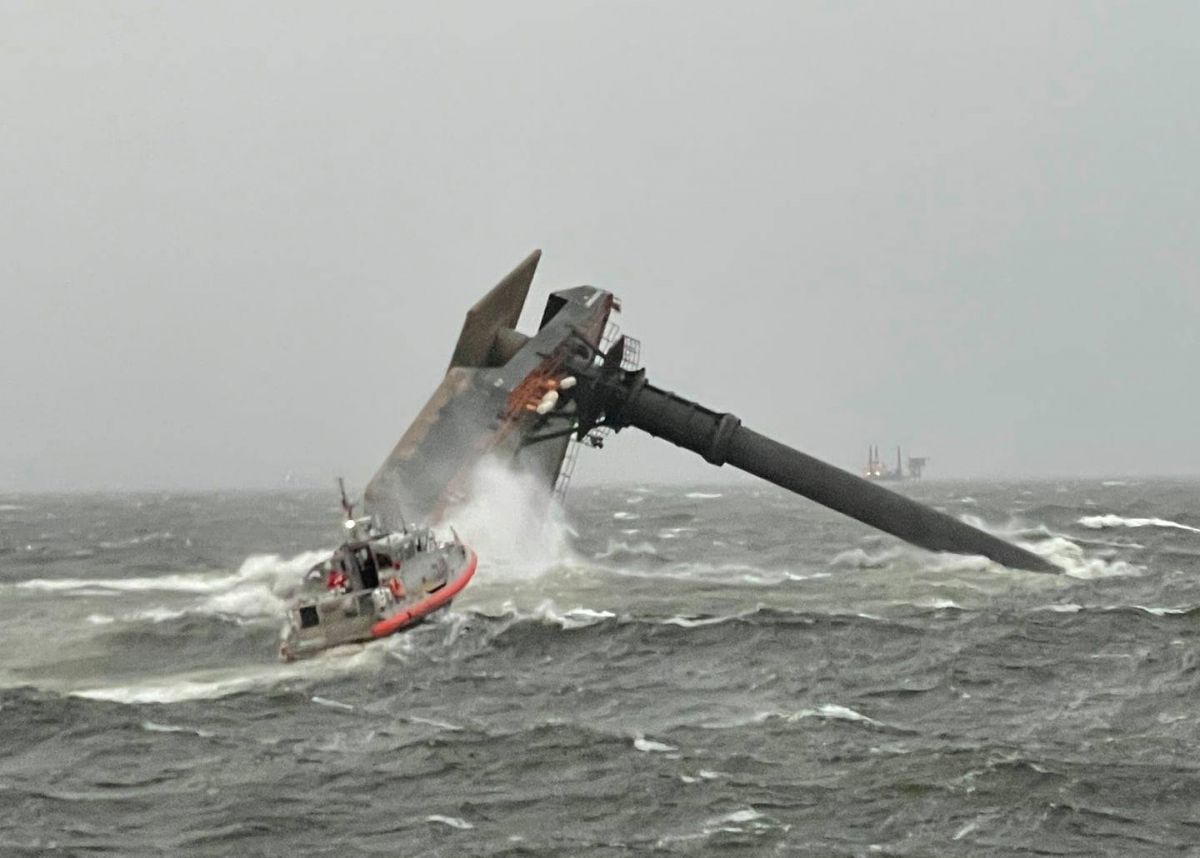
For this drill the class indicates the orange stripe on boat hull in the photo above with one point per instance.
(429, 604)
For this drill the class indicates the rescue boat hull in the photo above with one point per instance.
(401, 595)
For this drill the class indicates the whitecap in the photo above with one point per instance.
(695, 622)
(1097, 522)
(615, 547)
(518, 529)
(1069, 557)
(450, 821)
(857, 558)
(576, 618)
(703, 495)
(939, 604)
(210, 686)
(169, 583)
(835, 712)
(332, 704)
(167, 692)
(154, 727)
(749, 814)
(263, 569)
(650, 746)
(138, 540)
(1090, 570)
(1165, 612)
(433, 722)
(156, 615)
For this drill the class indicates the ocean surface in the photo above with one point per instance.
(692, 670)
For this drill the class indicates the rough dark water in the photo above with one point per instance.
(697, 671)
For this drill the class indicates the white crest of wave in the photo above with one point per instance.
(1070, 558)
(641, 743)
(620, 547)
(169, 692)
(450, 821)
(261, 585)
(730, 574)
(513, 523)
(826, 711)
(857, 558)
(835, 712)
(576, 618)
(1099, 522)
(748, 814)
(154, 727)
(244, 592)
(210, 685)
(936, 604)
(199, 582)
(257, 589)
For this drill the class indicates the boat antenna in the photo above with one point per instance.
(347, 507)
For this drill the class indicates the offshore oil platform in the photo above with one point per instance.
(532, 400)
(877, 470)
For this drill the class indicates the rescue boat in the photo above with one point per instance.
(375, 584)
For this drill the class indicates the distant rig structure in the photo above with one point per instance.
(877, 470)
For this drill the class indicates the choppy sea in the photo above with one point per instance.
(697, 670)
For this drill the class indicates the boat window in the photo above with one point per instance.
(367, 570)
(308, 617)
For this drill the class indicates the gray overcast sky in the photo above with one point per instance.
(238, 239)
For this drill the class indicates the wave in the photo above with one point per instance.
(825, 711)
(145, 539)
(575, 618)
(1069, 557)
(154, 727)
(213, 686)
(1152, 610)
(727, 574)
(1100, 522)
(643, 744)
(514, 524)
(259, 589)
(703, 495)
(621, 550)
(512, 621)
(857, 558)
(258, 568)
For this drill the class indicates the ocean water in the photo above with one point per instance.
(661, 670)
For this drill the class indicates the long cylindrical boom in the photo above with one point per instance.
(629, 400)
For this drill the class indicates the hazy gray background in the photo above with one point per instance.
(238, 239)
